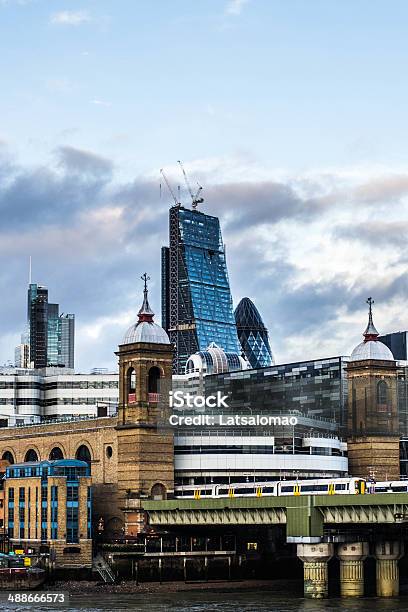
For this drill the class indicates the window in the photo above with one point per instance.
(131, 380)
(31, 455)
(83, 454)
(382, 393)
(7, 456)
(56, 453)
(154, 380)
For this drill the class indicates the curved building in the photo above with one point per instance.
(253, 335)
(214, 360)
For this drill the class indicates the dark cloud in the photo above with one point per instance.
(248, 204)
(84, 163)
(376, 233)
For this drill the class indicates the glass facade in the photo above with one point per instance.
(51, 336)
(38, 323)
(54, 335)
(196, 298)
(253, 335)
(397, 343)
(310, 390)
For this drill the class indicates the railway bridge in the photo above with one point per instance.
(350, 526)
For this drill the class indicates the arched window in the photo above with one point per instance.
(131, 380)
(31, 455)
(8, 456)
(158, 491)
(56, 453)
(154, 380)
(382, 393)
(131, 385)
(83, 454)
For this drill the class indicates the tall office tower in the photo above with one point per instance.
(253, 335)
(397, 343)
(196, 297)
(22, 351)
(51, 335)
(38, 321)
(67, 340)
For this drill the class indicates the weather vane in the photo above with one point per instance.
(145, 278)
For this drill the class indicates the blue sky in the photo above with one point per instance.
(291, 113)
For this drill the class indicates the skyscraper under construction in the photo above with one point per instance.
(196, 297)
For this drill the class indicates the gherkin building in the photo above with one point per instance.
(253, 335)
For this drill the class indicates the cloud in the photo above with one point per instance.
(383, 189)
(377, 233)
(307, 249)
(84, 162)
(70, 18)
(101, 103)
(235, 7)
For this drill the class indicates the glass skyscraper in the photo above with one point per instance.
(253, 335)
(196, 297)
(51, 335)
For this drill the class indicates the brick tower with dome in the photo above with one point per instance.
(145, 443)
(372, 418)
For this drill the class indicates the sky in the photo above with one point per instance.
(291, 114)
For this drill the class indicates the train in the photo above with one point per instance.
(326, 486)
(322, 486)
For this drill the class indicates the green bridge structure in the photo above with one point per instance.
(355, 524)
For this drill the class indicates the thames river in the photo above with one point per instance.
(218, 602)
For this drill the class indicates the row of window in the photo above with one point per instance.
(83, 384)
(72, 512)
(64, 401)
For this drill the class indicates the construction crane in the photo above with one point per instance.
(176, 202)
(195, 199)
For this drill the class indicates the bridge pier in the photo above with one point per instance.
(387, 555)
(315, 558)
(352, 558)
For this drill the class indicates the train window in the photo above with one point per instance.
(222, 491)
(268, 490)
(287, 489)
(400, 488)
(341, 487)
(306, 488)
(245, 491)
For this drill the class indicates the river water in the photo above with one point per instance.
(217, 602)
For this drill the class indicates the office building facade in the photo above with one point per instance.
(49, 507)
(33, 396)
(51, 335)
(315, 392)
(253, 335)
(397, 343)
(196, 298)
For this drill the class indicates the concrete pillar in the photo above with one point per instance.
(387, 570)
(315, 558)
(352, 558)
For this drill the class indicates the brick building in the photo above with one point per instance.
(48, 507)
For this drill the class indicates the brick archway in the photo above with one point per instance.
(28, 453)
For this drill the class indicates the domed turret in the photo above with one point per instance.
(371, 347)
(145, 330)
